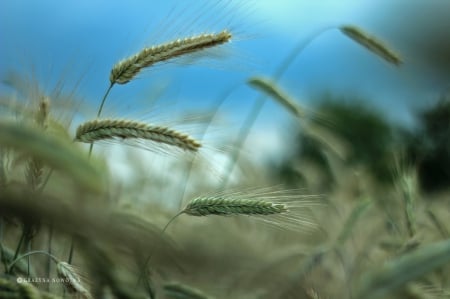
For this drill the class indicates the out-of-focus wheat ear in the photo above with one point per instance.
(28, 291)
(107, 129)
(312, 293)
(35, 167)
(204, 206)
(425, 290)
(174, 290)
(18, 289)
(372, 44)
(53, 151)
(396, 273)
(127, 69)
(359, 209)
(408, 186)
(8, 288)
(43, 112)
(72, 280)
(271, 89)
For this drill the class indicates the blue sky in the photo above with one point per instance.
(83, 39)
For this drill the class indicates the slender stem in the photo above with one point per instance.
(215, 109)
(47, 178)
(91, 146)
(22, 238)
(72, 248)
(100, 109)
(99, 112)
(259, 104)
(2, 252)
(28, 257)
(147, 261)
(49, 246)
(16, 259)
(242, 137)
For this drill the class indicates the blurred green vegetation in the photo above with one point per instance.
(428, 146)
(373, 142)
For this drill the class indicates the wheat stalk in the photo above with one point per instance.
(103, 129)
(124, 71)
(372, 44)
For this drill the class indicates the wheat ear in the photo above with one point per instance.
(35, 167)
(124, 71)
(72, 280)
(177, 290)
(271, 89)
(203, 206)
(372, 44)
(283, 209)
(103, 129)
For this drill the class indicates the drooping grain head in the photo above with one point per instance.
(107, 129)
(72, 280)
(272, 90)
(372, 44)
(43, 111)
(127, 69)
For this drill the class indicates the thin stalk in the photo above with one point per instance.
(49, 248)
(44, 183)
(91, 146)
(2, 253)
(215, 109)
(100, 109)
(72, 249)
(16, 259)
(99, 112)
(28, 257)
(147, 261)
(259, 104)
(22, 238)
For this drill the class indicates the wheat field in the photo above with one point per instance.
(328, 225)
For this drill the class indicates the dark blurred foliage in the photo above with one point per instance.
(370, 136)
(373, 143)
(365, 129)
(429, 146)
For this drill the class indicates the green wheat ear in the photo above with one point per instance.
(106, 129)
(398, 272)
(271, 89)
(219, 206)
(284, 209)
(177, 290)
(372, 44)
